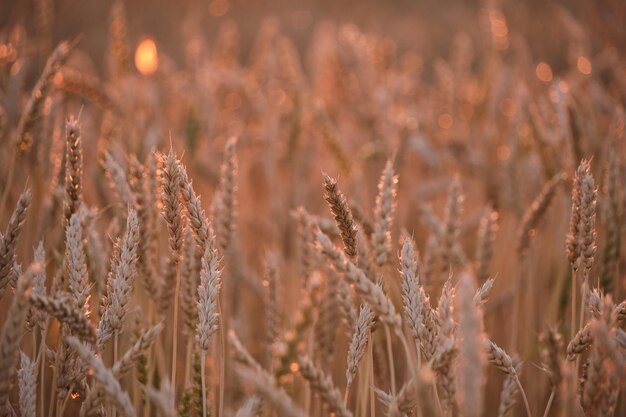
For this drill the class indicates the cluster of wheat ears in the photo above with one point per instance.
(122, 294)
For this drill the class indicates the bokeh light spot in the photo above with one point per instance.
(146, 57)
(584, 65)
(544, 72)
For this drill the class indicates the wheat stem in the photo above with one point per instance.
(202, 365)
(175, 328)
(521, 389)
(116, 340)
(392, 372)
(547, 410)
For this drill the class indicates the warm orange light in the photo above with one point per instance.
(544, 72)
(294, 367)
(584, 65)
(146, 57)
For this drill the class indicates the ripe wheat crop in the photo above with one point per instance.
(343, 228)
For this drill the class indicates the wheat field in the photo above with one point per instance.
(254, 225)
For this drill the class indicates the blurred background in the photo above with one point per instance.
(428, 26)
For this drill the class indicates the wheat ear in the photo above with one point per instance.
(370, 292)
(383, 214)
(8, 242)
(105, 378)
(343, 216)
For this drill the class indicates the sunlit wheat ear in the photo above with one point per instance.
(482, 294)
(501, 360)
(170, 180)
(226, 214)
(11, 336)
(130, 358)
(8, 241)
(383, 214)
(581, 240)
(32, 111)
(120, 282)
(450, 250)
(273, 298)
(92, 403)
(484, 249)
(27, 376)
(510, 391)
(76, 263)
(410, 287)
(343, 216)
(73, 167)
(145, 204)
(118, 180)
(599, 386)
(208, 293)
(323, 386)
(359, 341)
(37, 317)
(446, 350)
(64, 309)
(417, 311)
(346, 304)
(369, 291)
(197, 217)
(189, 280)
(104, 377)
(613, 220)
(472, 359)
(535, 212)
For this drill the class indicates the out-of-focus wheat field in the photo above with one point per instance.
(312, 208)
